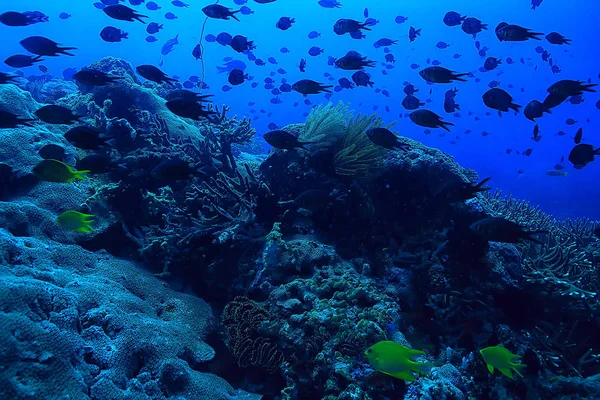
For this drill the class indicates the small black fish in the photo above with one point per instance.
(459, 191)
(53, 114)
(452, 18)
(386, 139)
(345, 25)
(13, 18)
(236, 77)
(218, 11)
(52, 152)
(515, 33)
(5, 78)
(284, 140)
(154, 74)
(86, 138)
(306, 87)
(241, 43)
(441, 75)
(429, 119)
(183, 94)
(189, 109)
(98, 164)
(22, 61)
(500, 100)
(583, 154)
(93, 77)
(44, 47)
(579, 136)
(176, 170)
(353, 61)
(113, 35)
(502, 230)
(569, 88)
(10, 120)
(535, 109)
(123, 13)
(557, 38)
(411, 102)
(536, 133)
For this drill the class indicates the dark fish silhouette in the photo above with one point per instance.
(93, 77)
(502, 230)
(123, 13)
(154, 74)
(44, 47)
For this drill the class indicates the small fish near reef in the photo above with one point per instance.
(395, 360)
(76, 221)
(503, 360)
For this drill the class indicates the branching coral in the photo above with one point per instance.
(241, 320)
(562, 265)
(227, 132)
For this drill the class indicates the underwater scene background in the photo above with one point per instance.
(299, 199)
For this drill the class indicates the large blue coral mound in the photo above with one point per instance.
(83, 325)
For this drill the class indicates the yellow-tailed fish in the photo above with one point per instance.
(394, 359)
(502, 359)
(76, 221)
(57, 171)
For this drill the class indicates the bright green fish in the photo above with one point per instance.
(57, 171)
(76, 221)
(501, 358)
(393, 359)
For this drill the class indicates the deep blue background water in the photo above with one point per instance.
(573, 196)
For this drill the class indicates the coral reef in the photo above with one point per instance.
(309, 257)
(86, 325)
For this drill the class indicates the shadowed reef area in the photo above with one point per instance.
(270, 275)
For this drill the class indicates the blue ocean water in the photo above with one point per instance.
(177, 268)
(527, 79)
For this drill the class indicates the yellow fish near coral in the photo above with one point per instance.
(57, 171)
(393, 359)
(502, 359)
(76, 221)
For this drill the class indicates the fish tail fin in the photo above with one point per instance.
(37, 59)
(232, 15)
(514, 107)
(597, 152)
(517, 367)
(63, 50)
(444, 125)
(484, 26)
(138, 17)
(302, 145)
(588, 88)
(458, 77)
(483, 182)
(26, 122)
(170, 81)
(80, 175)
(326, 88)
(534, 35)
(529, 236)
